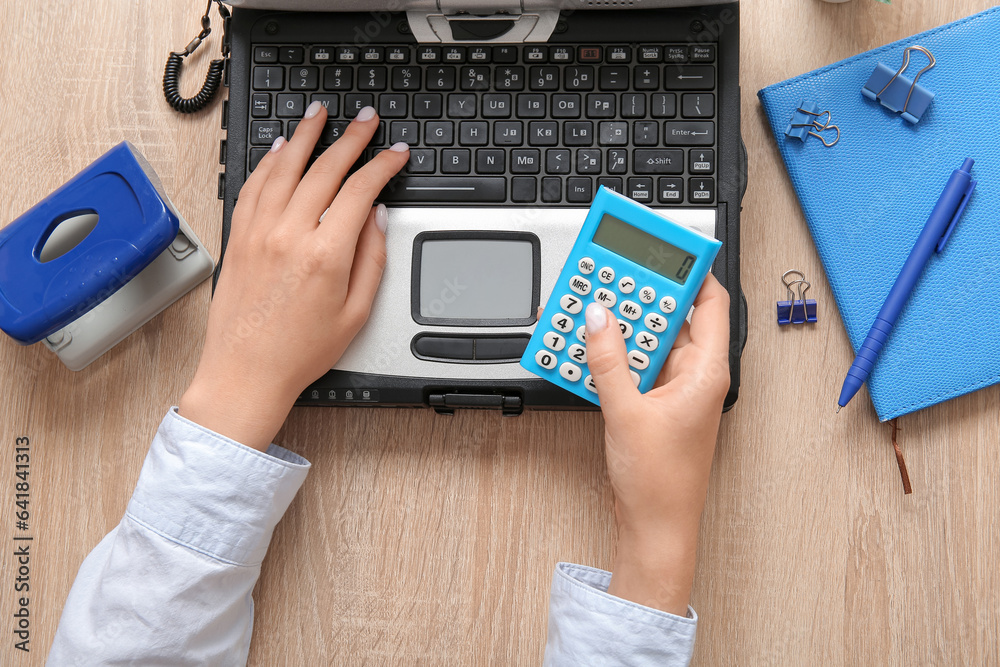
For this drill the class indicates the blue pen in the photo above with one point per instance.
(936, 232)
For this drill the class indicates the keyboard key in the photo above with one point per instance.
(645, 133)
(473, 133)
(260, 105)
(475, 77)
(702, 161)
(265, 55)
(404, 130)
(496, 105)
(456, 161)
(633, 105)
(338, 78)
(647, 77)
(578, 133)
(439, 133)
(508, 133)
(579, 78)
(461, 105)
(676, 54)
(505, 54)
(392, 105)
(303, 78)
(355, 102)
(543, 133)
(348, 54)
(530, 105)
(509, 78)
(552, 189)
(579, 190)
(588, 161)
(703, 53)
(399, 55)
(658, 161)
(663, 105)
(372, 78)
(617, 161)
(427, 105)
(490, 161)
(613, 78)
(589, 54)
(670, 190)
(291, 55)
(256, 155)
(290, 105)
(333, 130)
(689, 133)
(405, 78)
(698, 105)
(600, 106)
(543, 78)
(561, 54)
(263, 133)
(421, 161)
(525, 161)
(330, 102)
(441, 78)
(689, 77)
(451, 189)
(566, 106)
(640, 190)
(522, 189)
(479, 54)
(373, 54)
(536, 54)
(612, 133)
(619, 54)
(650, 54)
(611, 183)
(268, 78)
(453, 54)
(701, 190)
(557, 161)
(429, 54)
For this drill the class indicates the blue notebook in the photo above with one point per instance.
(867, 198)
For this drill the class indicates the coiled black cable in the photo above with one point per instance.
(171, 84)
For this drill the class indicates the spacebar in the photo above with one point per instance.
(445, 189)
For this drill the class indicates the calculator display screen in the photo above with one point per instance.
(476, 279)
(644, 249)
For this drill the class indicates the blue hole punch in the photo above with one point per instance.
(896, 92)
(792, 310)
(120, 222)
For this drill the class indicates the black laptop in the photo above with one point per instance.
(516, 112)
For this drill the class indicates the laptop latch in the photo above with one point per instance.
(458, 21)
(447, 403)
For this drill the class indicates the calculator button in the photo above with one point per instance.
(626, 285)
(606, 275)
(647, 295)
(646, 341)
(545, 359)
(562, 322)
(581, 334)
(668, 304)
(586, 265)
(554, 341)
(590, 383)
(626, 328)
(630, 309)
(637, 359)
(580, 285)
(656, 322)
(636, 379)
(605, 297)
(577, 353)
(570, 372)
(571, 304)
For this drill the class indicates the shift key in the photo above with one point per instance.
(690, 133)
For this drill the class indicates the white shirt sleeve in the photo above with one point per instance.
(171, 584)
(588, 626)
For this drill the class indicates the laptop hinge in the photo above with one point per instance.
(505, 22)
(447, 403)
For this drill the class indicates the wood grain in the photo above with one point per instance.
(421, 539)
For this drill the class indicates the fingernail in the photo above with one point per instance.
(278, 143)
(367, 113)
(313, 109)
(596, 319)
(381, 217)
(400, 147)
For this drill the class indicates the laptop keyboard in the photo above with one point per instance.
(511, 124)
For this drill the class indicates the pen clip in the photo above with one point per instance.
(958, 214)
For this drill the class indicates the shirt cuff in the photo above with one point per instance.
(212, 494)
(588, 625)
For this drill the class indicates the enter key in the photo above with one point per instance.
(689, 133)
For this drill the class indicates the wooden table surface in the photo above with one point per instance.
(422, 539)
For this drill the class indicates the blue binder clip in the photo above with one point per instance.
(82, 243)
(896, 92)
(807, 120)
(796, 311)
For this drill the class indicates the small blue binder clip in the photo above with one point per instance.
(796, 311)
(807, 120)
(896, 92)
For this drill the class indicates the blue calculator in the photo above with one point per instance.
(646, 269)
